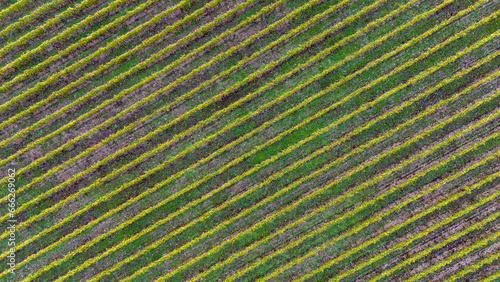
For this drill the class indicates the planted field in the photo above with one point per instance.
(280, 140)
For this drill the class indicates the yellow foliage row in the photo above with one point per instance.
(18, 5)
(463, 252)
(407, 222)
(94, 166)
(238, 197)
(413, 178)
(69, 50)
(25, 21)
(334, 202)
(71, 142)
(488, 260)
(41, 29)
(492, 277)
(88, 75)
(155, 151)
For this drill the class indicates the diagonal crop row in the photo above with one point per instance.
(42, 28)
(116, 42)
(110, 121)
(14, 7)
(95, 110)
(146, 137)
(479, 264)
(493, 277)
(436, 226)
(26, 56)
(270, 218)
(423, 253)
(241, 195)
(387, 173)
(459, 254)
(120, 189)
(466, 250)
(30, 18)
(361, 148)
(169, 234)
(95, 165)
(442, 244)
(427, 231)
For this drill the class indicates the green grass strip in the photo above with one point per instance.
(252, 189)
(361, 148)
(26, 56)
(427, 231)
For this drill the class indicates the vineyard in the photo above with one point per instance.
(250, 140)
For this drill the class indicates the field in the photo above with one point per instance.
(257, 140)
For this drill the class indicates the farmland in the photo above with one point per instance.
(280, 140)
